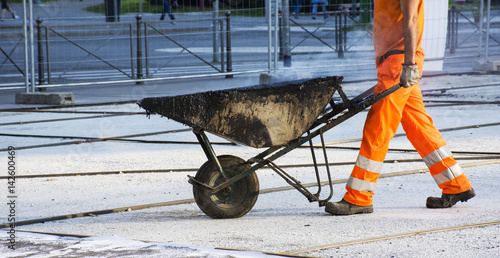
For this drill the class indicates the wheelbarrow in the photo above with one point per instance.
(279, 117)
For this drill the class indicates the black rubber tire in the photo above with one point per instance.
(233, 202)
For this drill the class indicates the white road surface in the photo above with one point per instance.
(281, 221)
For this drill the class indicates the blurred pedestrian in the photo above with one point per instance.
(166, 10)
(5, 7)
(296, 7)
(323, 4)
(397, 38)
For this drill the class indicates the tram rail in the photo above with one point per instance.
(388, 237)
(191, 200)
(124, 137)
(297, 252)
(491, 156)
(287, 253)
(487, 158)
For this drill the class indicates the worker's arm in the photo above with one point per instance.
(409, 8)
(410, 74)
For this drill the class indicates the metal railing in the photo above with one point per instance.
(97, 50)
(144, 50)
(83, 54)
(470, 23)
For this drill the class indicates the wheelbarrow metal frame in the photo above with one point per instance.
(337, 115)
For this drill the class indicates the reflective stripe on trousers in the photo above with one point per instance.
(440, 175)
(447, 173)
(369, 166)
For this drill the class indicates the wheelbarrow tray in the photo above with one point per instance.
(258, 116)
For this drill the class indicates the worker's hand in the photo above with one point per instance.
(410, 75)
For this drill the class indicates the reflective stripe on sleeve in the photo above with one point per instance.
(361, 185)
(368, 164)
(448, 174)
(436, 156)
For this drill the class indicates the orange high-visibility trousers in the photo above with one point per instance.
(404, 106)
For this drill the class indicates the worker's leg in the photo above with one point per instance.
(380, 127)
(432, 148)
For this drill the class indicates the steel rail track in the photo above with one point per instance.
(293, 253)
(441, 130)
(90, 139)
(116, 138)
(188, 201)
(449, 103)
(296, 252)
(117, 113)
(122, 138)
(59, 119)
(413, 150)
(95, 139)
(172, 170)
(48, 109)
(463, 87)
(388, 237)
(80, 112)
(35, 109)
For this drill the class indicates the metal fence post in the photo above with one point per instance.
(340, 35)
(221, 41)
(345, 35)
(216, 39)
(453, 45)
(336, 30)
(280, 36)
(481, 21)
(229, 67)
(47, 47)
(131, 38)
(146, 48)
(487, 44)
(448, 30)
(41, 71)
(287, 56)
(139, 49)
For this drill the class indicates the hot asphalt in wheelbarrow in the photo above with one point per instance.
(258, 116)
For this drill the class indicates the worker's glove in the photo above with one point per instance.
(410, 75)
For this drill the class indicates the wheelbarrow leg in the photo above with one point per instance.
(292, 181)
(313, 155)
(324, 201)
(298, 185)
(209, 151)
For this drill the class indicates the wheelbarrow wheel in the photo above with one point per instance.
(232, 202)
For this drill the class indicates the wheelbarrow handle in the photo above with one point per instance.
(389, 91)
(369, 92)
(360, 103)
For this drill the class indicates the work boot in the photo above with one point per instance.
(346, 208)
(448, 200)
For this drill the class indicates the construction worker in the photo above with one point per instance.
(397, 37)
